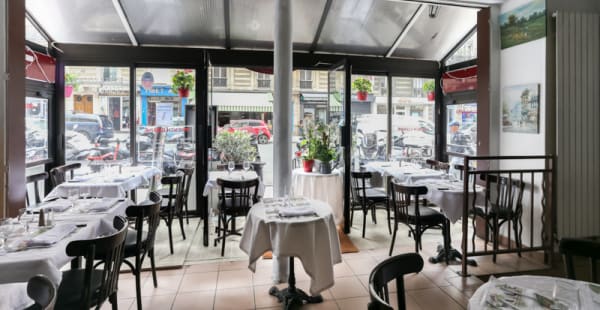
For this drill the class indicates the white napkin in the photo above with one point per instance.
(58, 205)
(296, 211)
(101, 205)
(53, 235)
(81, 178)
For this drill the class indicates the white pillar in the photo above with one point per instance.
(282, 107)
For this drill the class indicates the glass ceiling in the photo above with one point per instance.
(358, 27)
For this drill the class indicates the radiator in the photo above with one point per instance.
(578, 119)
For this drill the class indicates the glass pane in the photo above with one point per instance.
(36, 124)
(369, 119)
(369, 27)
(467, 51)
(252, 23)
(33, 35)
(432, 38)
(75, 21)
(96, 116)
(461, 131)
(186, 22)
(413, 119)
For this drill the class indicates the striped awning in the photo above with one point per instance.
(242, 102)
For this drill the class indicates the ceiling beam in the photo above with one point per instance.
(454, 3)
(404, 32)
(315, 41)
(227, 21)
(125, 22)
(38, 27)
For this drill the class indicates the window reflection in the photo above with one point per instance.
(36, 124)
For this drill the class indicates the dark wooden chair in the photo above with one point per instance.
(392, 268)
(188, 174)
(174, 204)
(587, 248)
(418, 218)
(236, 199)
(63, 173)
(437, 165)
(84, 288)
(140, 240)
(42, 291)
(503, 203)
(461, 169)
(366, 198)
(35, 179)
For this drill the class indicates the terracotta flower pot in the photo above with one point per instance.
(68, 91)
(430, 96)
(362, 95)
(307, 164)
(184, 92)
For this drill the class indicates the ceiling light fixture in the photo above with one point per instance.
(433, 10)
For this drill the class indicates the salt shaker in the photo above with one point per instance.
(42, 218)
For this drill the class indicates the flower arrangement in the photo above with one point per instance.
(320, 144)
(235, 146)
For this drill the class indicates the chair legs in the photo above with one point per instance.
(170, 235)
(393, 236)
(187, 214)
(153, 267)
(180, 216)
(113, 301)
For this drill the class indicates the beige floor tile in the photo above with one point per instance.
(167, 285)
(167, 272)
(358, 303)
(262, 276)
(127, 288)
(235, 298)
(234, 265)
(194, 301)
(123, 303)
(203, 267)
(157, 302)
(325, 305)
(433, 298)
(465, 283)
(361, 265)
(348, 287)
(204, 281)
(415, 281)
(457, 295)
(234, 278)
(342, 270)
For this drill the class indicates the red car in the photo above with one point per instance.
(255, 127)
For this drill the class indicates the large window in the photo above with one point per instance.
(263, 80)
(96, 115)
(219, 77)
(36, 124)
(467, 51)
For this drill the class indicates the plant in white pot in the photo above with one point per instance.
(326, 148)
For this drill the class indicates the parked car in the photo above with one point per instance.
(92, 126)
(255, 127)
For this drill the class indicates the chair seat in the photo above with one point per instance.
(238, 210)
(375, 194)
(427, 215)
(131, 242)
(503, 213)
(70, 289)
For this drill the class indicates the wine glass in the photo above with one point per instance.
(246, 166)
(230, 167)
(73, 196)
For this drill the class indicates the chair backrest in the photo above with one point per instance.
(176, 187)
(146, 212)
(241, 194)
(503, 192)
(42, 291)
(188, 173)
(437, 165)
(35, 179)
(461, 169)
(58, 175)
(401, 199)
(571, 247)
(392, 268)
(359, 185)
(111, 249)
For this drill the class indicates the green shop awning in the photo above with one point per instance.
(242, 102)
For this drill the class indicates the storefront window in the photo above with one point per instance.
(461, 131)
(36, 124)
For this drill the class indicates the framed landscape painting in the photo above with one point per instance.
(523, 24)
(521, 108)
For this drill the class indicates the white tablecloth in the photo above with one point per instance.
(579, 290)
(14, 296)
(106, 184)
(211, 184)
(407, 173)
(328, 188)
(313, 239)
(22, 265)
(449, 196)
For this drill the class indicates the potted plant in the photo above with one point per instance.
(325, 148)
(362, 87)
(429, 89)
(183, 82)
(70, 84)
(235, 146)
(308, 147)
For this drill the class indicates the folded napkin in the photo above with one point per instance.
(296, 211)
(81, 178)
(101, 205)
(53, 235)
(58, 205)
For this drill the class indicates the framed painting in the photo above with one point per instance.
(523, 24)
(521, 108)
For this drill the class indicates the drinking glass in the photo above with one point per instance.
(73, 195)
(246, 165)
(231, 166)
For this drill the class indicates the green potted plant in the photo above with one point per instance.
(183, 82)
(429, 89)
(325, 148)
(235, 146)
(70, 84)
(363, 87)
(308, 146)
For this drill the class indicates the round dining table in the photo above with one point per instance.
(328, 188)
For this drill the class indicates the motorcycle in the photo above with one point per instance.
(371, 146)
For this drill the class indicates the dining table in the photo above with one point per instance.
(110, 182)
(535, 292)
(294, 227)
(404, 172)
(328, 188)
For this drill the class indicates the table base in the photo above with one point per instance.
(453, 254)
(293, 297)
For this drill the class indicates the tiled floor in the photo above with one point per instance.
(207, 281)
